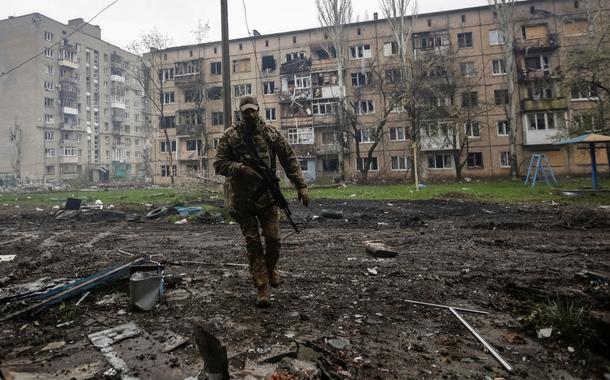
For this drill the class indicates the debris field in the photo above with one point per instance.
(344, 311)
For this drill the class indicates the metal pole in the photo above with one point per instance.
(488, 346)
(593, 165)
(447, 307)
(226, 74)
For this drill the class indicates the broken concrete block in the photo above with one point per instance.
(378, 249)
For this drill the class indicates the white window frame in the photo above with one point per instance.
(242, 89)
(302, 81)
(360, 79)
(48, 52)
(502, 125)
(49, 86)
(374, 167)
(588, 92)
(360, 51)
(400, 163)
(365, 135)
(397, 134)
(447, 159)
(498, 67)
(472, 129)
(364, 107)
(48, 36)
(466, 46)
(48, 135)
(536, 126)
(268, 88)
(324, 107)
(475, 166)
(299, 136)
(468, 73)
(504, 159)
(168, 97)
(49, 152)
(48, 118)
(69, 151)
(496, 37)
(163, 146)
(270, 114)
(390, 48)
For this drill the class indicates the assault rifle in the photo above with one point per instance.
(270, 182)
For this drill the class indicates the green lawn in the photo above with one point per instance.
(486, 190)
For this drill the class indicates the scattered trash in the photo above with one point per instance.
(378, 249)
(185, 211)
(545, 333)
(157, 213)
(488, 346)
(372, 271)
(214, 354)
(447, 307)
(331, 214)
(145, 289)
(571, 349)
(72, 204)
(4, 258)
(39, 209)
(78, 287)
(181, 221)
(586, 275)
(382, 224)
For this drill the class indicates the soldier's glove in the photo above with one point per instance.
(249, 173)
(303, 195)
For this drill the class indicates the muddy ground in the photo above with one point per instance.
(499, 258)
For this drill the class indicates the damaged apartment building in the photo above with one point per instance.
(74, 113)
(295, 77)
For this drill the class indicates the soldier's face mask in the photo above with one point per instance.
(250, 115)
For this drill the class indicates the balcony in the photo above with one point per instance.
(117, 78)
(543, 104)
(69, 95)
(69, 110)
(64, 62)
(189, 129)
(436, 143)
(188, 155)
(544, 43)
(298, 65)
(187, 80)
(531, 75)
(327, 149)
(118, 116)
(539, 136)
(71, 79)
(295, 94)
(118, 103)
(68, 126)
(296, 122)
(325, 120)
(68, 159)
(325, 92)
(304, 150)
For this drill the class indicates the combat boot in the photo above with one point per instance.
(274, 278)
(263, 295)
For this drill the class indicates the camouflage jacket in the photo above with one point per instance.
(232, 155)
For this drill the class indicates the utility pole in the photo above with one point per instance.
(226, 74)
(226, 82)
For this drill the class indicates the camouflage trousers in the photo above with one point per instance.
(262, 262)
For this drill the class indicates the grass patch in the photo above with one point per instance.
(570, 320)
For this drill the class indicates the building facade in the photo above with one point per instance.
(75, 111)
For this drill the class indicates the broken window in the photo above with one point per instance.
(464, 40)
(215, 93)
(393, 75)
(496, 37)
(241, 65)
(473, 129)
(467, 69)
(330, 165)
(187, 67)
(360, 51)
(193, 145)
(191, 117)
(268, 88)
(427, 41)
(365, 135)
(300, 135)
(324, 107)
(268, 63)
(475, 160)
(242, 89)
(534, 32)
(470, 99)
(537, 91)
(294, 56)
(501, 97)
(192, 96)
(390, 48)
(328, 137)
(361, 79)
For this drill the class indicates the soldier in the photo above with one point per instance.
(249, 203)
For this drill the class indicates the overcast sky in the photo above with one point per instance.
(125, 20)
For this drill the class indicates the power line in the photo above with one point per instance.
(252, 39)
(58, 42)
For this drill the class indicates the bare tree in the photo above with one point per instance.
(152, 80)
(400, 16)
(16, 138)
(334, 17)
(372, 84)
(504, 11)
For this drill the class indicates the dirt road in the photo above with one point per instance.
(499, 258)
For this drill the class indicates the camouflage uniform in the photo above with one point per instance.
(247, 203)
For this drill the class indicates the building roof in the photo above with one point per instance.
(586, 138)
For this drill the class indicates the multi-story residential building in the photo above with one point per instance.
(296, 81)
(75, 108)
